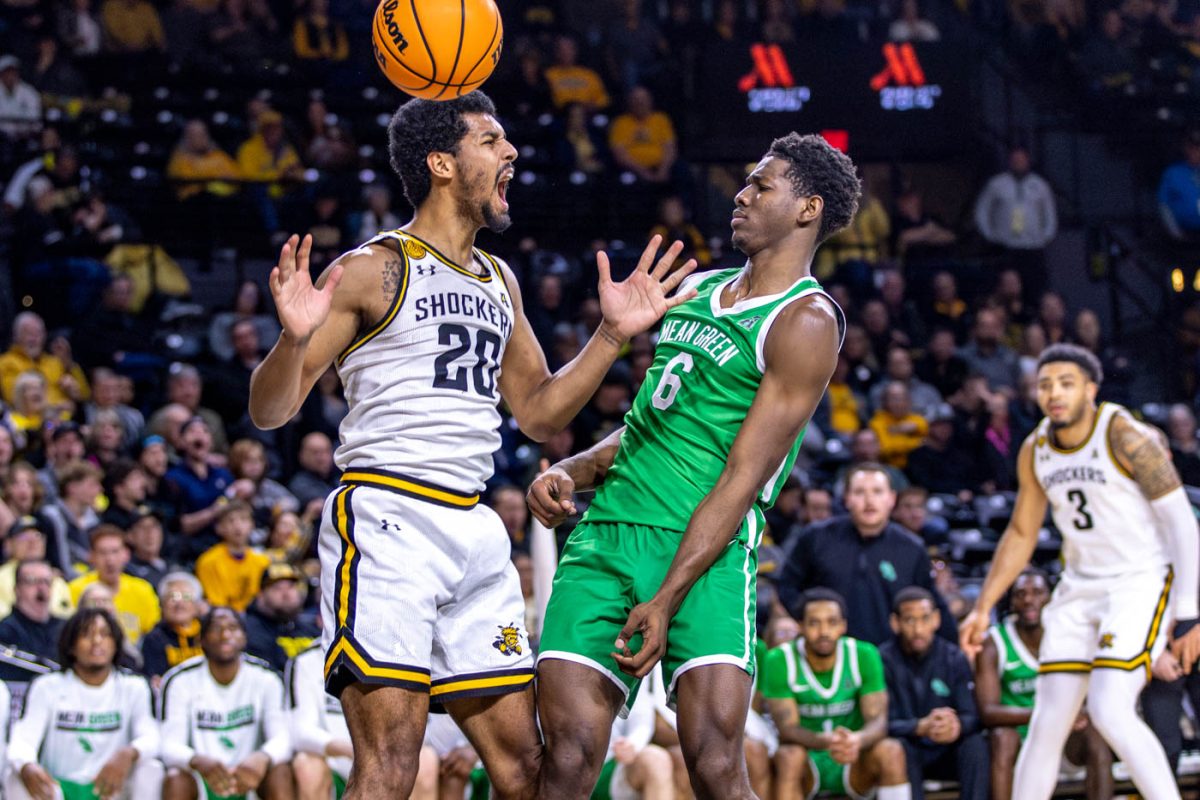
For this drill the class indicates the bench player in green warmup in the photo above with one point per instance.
(706, 447)
(1006, 672)
(827, 696)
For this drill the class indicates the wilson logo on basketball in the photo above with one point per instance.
(393, 29)
(901, 84)
(769, 85)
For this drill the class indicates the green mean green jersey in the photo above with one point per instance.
(1017, 667)
(826, 700)
(706, 370)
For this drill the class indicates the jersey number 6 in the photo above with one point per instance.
(670, 383)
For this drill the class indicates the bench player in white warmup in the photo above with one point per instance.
(419, 600)
(1131, 557)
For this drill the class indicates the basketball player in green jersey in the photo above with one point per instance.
(1006, 672)
(706, 447)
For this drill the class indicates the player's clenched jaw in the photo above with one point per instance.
(1064, 393)
(483, 172)
(766, 210)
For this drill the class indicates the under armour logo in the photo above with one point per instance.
(388, 526)
(422, 267)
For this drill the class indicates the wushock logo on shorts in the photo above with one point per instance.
(509, 640)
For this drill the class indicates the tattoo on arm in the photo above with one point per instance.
(393, 269)
(1143, 454)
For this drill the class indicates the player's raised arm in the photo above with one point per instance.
(551, 495)
(543, 403)
(1012, 554)
(1140, 451)
(318, 321)
(792, 385)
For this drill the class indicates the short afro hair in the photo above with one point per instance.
(420, 127)
(77, 626)
(1073, 354)
(820, 594)
(817, 168)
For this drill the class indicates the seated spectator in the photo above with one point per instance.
(160, 494)
(911, 512)
(202, 489)
(30, 411)
(132, 27)
(1052, 316)
(20, 103)
(865, 448)
(229, 381)
(911, 27)
(863, 556)
(1006, 670)
(221, 685)
(144, 537)
(998, 448)
(939, 464)
(106, 438)
(643, 140)
(571, 82)
(239, 37)
(106, 391)
(899, 367)
(125, 488)
(26, 541)
(986, 355)
(231, 571)
(851, 254)
(28, 353)
(31, 627)
(317, 36)
(72, 515)
(947, 309)
(916, 236)
(176, 637)
(1088, 333)
(673, 225)
(857, 351)
(583, 146)
(248, 304)
(88, 730)
(248, 461)
(53, 73)
(846, 407)
(930, 703)
(828, 699)
(185, 387)
(200, 168)
(1179, 190)
(317, 476)
(901, 309)
(267, 159)
(1109, 60)
(899, 429)
(1185, 448)
(276, 626)
(22, 496)
(942, 368)
(319, 733)
(328, 144)
(509, 504)
(78, 29)
(377, 216)
(818, 505)
(135, 601)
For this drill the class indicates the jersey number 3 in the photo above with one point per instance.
(1083, 519)
(449, 375)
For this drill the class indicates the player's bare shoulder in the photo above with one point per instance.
(372, 275)
(809, 328)
(1141, 451)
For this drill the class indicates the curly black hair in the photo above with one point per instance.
(817, 168)
(1073, 354)
(420, 127)
(74, 629)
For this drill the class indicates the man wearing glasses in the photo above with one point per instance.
(176, 637)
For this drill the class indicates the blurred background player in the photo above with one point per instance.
(827, 696)
(86, 731)
(1005, 681)
(224, 725)
(1131, 558)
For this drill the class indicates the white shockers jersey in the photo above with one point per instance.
(423, 384)
(229, 723)
(1106, 522)
(316, 717)
(72, 729)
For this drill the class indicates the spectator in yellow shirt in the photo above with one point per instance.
(643, 140)
(135, 600)
(200, 165)
(28, 352)
(231, 571)
(845, 407)
(316, 36)
(900, 431)
(266, 157)
(132, 26)
(571, 82)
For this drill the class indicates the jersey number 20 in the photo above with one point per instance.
(449, 375)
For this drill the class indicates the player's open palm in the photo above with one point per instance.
(302, 307)
(636, 303)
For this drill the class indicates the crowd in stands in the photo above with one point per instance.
(138, 502)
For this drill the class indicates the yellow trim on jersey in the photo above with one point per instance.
(1143, 658)
(393, 310)
(391, 673)
(1064, 666)
(437, 254)
(341, 522)
(479, 683)
(1112, 456)
(1086, 439)
(410, 487)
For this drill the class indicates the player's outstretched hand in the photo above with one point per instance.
(1186, 647)
(650, 620)
(551, 496)
(636, 303)
(972, 632)
(302, 307)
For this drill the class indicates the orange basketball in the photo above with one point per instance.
(437, 49)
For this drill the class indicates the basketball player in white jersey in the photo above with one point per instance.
(420, 602)
(1131, 555)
